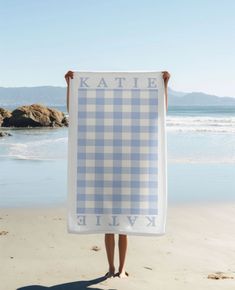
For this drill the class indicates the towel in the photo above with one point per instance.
(117, 169)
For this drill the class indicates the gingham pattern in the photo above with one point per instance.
(117, 151)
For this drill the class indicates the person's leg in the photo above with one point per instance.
(110, 245)
(122, 244)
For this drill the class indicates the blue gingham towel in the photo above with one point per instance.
(117, 175)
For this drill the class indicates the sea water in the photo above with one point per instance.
(201, 160)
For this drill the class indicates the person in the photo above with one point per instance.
(110, 238)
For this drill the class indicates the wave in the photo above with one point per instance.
(220, 160)
(39, 142)
(34, 144)
(28, 157)
(201, 124)
(46, 149)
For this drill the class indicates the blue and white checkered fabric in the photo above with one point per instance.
(117, 168)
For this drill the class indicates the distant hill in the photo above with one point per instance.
(56, 96)
(199, 99)
(47, 95)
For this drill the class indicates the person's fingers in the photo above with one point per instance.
(165, 73)
(69, 74)
(166, 76)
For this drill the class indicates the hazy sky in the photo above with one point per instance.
(193, 40)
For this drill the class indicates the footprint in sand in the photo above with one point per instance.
(219, 275)
(95, 248)
(3, 233)
(148, 268)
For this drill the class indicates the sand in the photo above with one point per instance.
(35, 249)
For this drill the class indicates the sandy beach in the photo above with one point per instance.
(37, 250)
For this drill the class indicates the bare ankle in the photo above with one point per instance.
(121, 269)
(112, 269)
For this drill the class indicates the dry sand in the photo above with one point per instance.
(35, 249)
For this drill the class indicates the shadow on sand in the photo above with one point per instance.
(78, 285)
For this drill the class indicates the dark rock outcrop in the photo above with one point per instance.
(4, 114)
(35, 115)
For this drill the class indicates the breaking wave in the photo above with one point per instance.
(201, 124)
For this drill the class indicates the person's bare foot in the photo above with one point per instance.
(122, 274)
(110, 273)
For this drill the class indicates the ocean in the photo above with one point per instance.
(201, 160)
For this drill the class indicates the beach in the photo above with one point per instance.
(117, 116)
(147, 89)
(36, 249)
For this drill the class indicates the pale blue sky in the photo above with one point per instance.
(193, 40)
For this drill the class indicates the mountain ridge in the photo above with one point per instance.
(56, 96)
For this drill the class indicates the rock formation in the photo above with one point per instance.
(35, 115)
(4, 114)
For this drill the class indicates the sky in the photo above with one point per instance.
(193, 40)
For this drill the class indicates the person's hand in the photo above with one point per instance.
(68, 75)
(166, 76)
